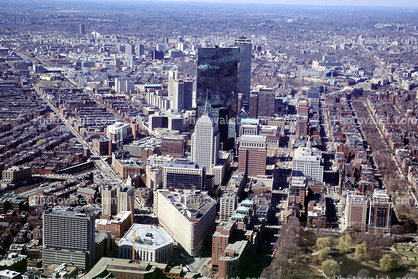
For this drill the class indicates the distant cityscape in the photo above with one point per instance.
(207, 140)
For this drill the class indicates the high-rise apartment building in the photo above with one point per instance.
(244, 67)
(124, 85)
(227, 204)
(221, 239)
(129, 49)
(307, 162)
(139, 49)
(205, 142)
(252, 155)
(217, 78)
(68, 237)
(125, 197)
(356, 211)
(109, 201)
(380, 211)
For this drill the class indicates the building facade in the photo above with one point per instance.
(68, 237)
(205, 142)
(184, 174)
(188, 216)
(217, 78)
(252, 155)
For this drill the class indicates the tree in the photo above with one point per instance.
(361, 251)
(41, 142)
(322, 243)
(387, 262)
(330, 267)
(345, 243)
(324, 252)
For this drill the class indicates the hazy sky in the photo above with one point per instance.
(396, 3)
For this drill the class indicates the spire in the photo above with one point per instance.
(206, 104)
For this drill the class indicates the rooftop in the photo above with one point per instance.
(147, 236)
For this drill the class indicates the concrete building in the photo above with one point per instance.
(307, 162)
(125, 196)
(152, 244)
(227, 204)
(126, 167)
(9, 274)
(380, 211)
(233, 259)
(184, 174)
(68, 237)
(205, 142)
(117, 225)
(60, 271)
(123, 85)
(266, 102)
(356, 211)
(102, 146)
(173, 145)
(221, 239)
(118, 132)
(159, 160)
(252, 155)
(15, 174)
(154, 176)
(109, 201)
(189, 217)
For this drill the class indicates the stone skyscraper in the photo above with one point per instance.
(205, 141)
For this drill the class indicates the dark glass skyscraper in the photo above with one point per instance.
(217, 75)
(217, 80)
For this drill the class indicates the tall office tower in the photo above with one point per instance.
(380, 211)
(205, 142)
(125, 196)
(82, 29)
(172, 76)
(252, 155)
(130, 61)
(109, 201)
(307, 162)
(68, 237)
(253, 105)
(217, 78)
(129, 49)
(139, 49)
(266, 102)
(244, 67)
(182, 95)
(356, 211)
